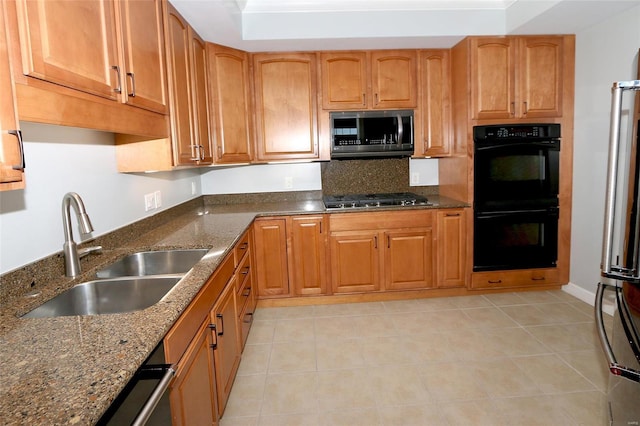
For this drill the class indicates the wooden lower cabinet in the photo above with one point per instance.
(355, 261)
(451, 248)
(226, 350)
(192, 394)
(381, 251)
(517, 278)
(308, 255)
(270, 236)
(409, 262)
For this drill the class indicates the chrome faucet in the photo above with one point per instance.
(71, 253)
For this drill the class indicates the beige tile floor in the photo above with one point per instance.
(504, 359)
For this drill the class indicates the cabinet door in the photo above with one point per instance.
(451, 248)
(227, 348)
(72, 43)
(200, 98)
(393, 79)
(540, 76)
(344, 80)
(271, 257)
(435, 111)
(192, 394)
(178, 44)
(286, 106)
(492, 77)
(308, 255)
(144, 59)
(408, 259)
(11, 154)
(355, 261)
(231, 100)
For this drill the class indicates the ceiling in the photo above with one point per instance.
(277, 25)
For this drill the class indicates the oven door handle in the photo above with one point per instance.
(493, 214)
(614, 367)
(148, 407)
(551, 144)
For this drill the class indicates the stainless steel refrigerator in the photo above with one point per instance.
(620, 268)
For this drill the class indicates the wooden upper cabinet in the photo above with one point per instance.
(286, 106)
(540, 76)
(11, 153)
(188, 91)
(200, 98)
(432, 135)
(144, 71)
(516, 77)
(344, 80)
(493, 77)
(106, 48)
(378, 79)
(72, 43)
(393, 79)
(231, 104)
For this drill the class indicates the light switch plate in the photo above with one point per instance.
(149, 202)
(158, 199)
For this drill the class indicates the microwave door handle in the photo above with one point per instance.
(400, 129)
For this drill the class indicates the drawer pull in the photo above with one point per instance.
(247, 292)
(494, 281)
(538, 278)
(244, 246)
(245, 271)
(452, 214)
(250, 315)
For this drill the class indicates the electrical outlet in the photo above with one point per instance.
(158, 199)
(415, 178)
(149, 202)
(288, 182)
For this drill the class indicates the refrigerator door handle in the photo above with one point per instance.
(616, 272)
(614, 367)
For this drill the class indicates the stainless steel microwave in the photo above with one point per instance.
(371, 134)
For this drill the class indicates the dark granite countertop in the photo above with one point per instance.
(67, 370)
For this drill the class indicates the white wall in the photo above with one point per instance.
(63, 159)
(605, 53)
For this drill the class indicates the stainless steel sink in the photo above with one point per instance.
(153, 263)
(111, 296)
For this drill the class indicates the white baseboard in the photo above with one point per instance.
(608, 305)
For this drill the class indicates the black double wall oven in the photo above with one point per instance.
(516, 176)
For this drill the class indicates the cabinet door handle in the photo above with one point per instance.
(513, 108)
(117, 69)
(18, 134)
(364, 99)
(525, 108)
(195, 156)
(321, 227)
(214, 345)
(221, 332)
(133, 84)
(388, 241)
(375, 241)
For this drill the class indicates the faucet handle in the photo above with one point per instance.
(86, 250)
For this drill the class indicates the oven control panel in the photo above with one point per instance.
(528, 131)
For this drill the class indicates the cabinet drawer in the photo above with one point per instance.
(413, 218)
(246, 319)
(183, 331)
(507, 279)
(241, 248)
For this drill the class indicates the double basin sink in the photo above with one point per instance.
(133, 283)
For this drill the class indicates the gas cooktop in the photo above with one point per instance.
(374, 200)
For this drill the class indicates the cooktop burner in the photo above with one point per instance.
(374, 200)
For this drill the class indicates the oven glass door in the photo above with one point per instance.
(511, 172)
(515, 239)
